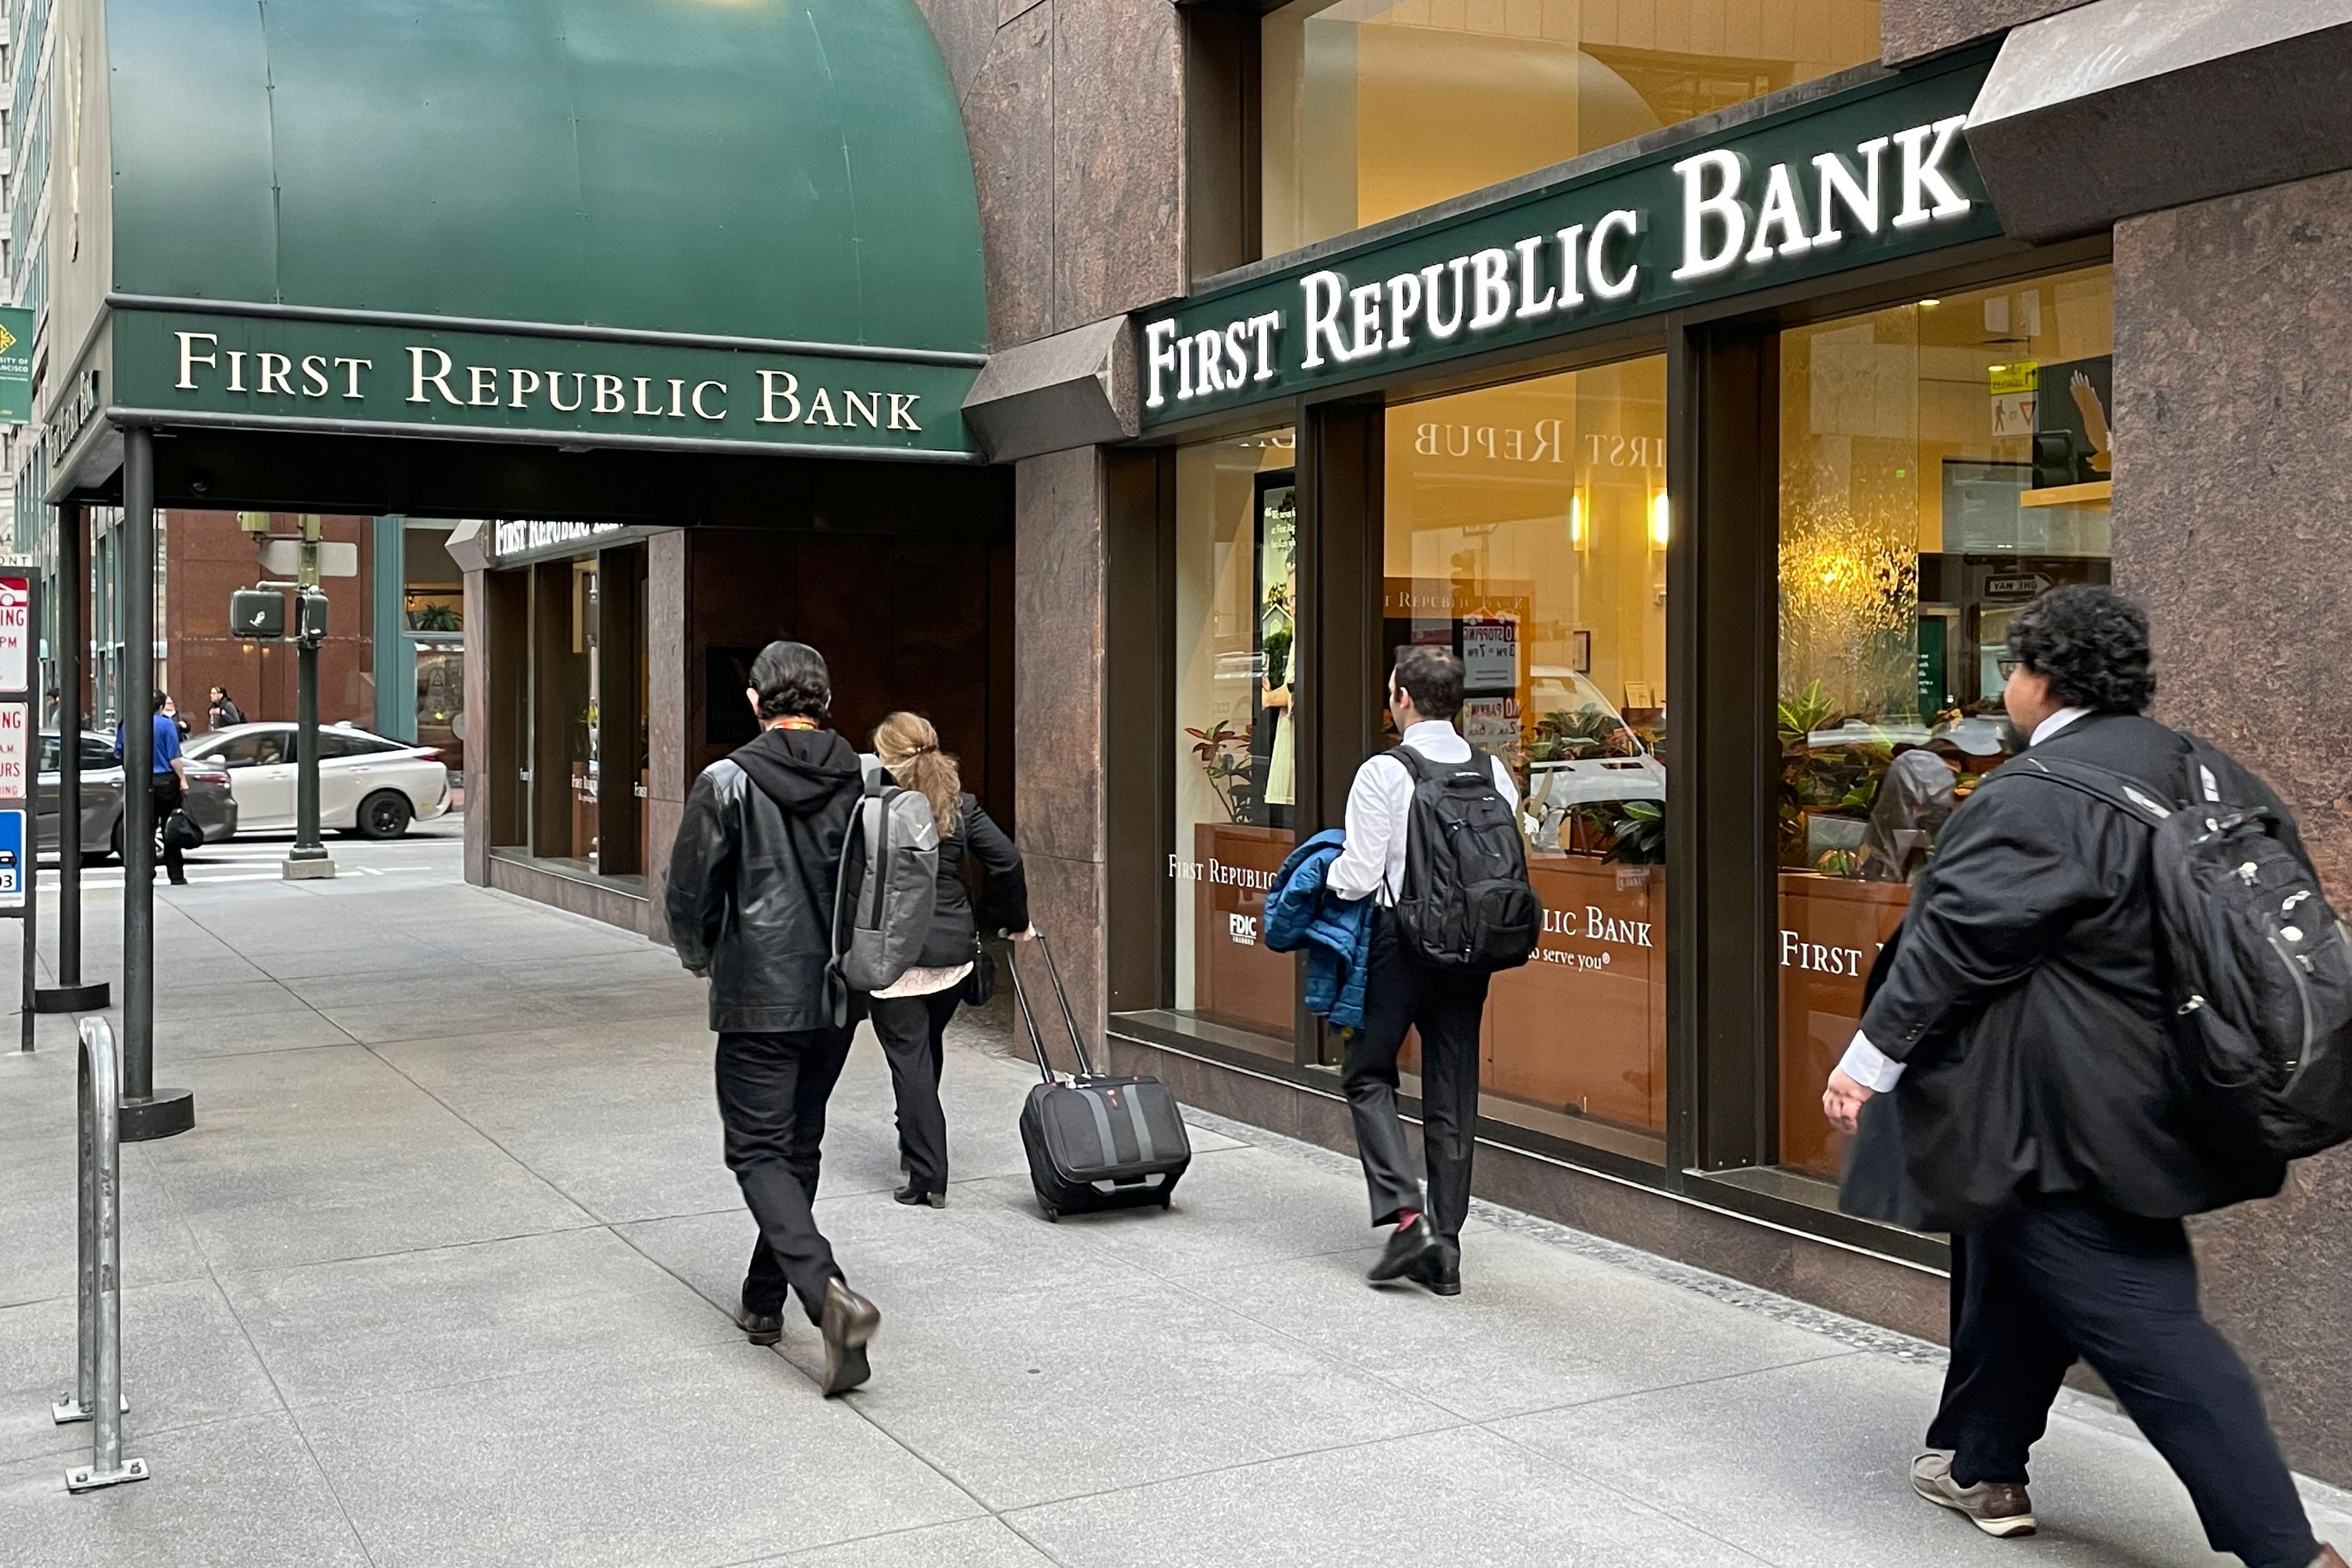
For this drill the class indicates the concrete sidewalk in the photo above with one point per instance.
(441, 1278)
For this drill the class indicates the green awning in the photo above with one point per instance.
(591, 209)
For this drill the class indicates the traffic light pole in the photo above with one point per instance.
(148, 1113)
(308, 856)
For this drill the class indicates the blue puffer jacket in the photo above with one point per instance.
(1337, 932)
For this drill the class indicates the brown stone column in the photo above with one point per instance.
(2233, 478)
(668, 614)
(1058, 696)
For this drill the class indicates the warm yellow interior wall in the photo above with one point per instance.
(1479, 492)
(1373, 108)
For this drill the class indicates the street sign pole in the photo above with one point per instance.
(69, 994)
(20, 725)
(148, 1113)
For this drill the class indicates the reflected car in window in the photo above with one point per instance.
(1582, 752)
(368, 785)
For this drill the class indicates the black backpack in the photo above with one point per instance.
(2259, 964)
(1466, 903)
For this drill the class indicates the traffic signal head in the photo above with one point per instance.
(257, 615)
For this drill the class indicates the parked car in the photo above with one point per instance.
(367, 784)
(209, 800)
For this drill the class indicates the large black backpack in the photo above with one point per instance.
(2259, 965)
(1466, 903)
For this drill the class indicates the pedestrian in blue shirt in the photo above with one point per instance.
(166, 781)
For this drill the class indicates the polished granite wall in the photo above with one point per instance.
(2234, 484)
(1914, 29)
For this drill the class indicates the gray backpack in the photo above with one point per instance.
(892, 852)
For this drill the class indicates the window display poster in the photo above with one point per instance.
(1490, 653)
(1493, 722)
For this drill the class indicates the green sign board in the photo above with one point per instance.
(1869, 175)
(300, 371)
(15, 367)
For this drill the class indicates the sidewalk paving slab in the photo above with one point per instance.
(709, 1456)
(232, 1494)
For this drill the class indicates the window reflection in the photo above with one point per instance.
(1941, 465)
(1527, 530)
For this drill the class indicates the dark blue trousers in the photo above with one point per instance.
(2062, 1279)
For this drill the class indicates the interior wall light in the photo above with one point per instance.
(1579, 526)
(1662, 521)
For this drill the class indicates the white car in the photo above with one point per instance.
(1600, 774)
(367, 784)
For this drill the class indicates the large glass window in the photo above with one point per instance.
(1526, 530)
(1941, 464)
(1236, 753)
(1373, 108)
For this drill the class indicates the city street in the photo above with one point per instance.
(441, 1277)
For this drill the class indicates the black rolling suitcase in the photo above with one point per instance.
(1096, 1141)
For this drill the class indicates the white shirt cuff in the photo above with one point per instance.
(1868, 1066)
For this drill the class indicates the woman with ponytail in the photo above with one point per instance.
(911, 1017)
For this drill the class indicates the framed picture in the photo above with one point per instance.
(1580, 652)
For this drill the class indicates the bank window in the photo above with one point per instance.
(1237, 671)
(1942, 464)
(1373, 108)
(1526, 529)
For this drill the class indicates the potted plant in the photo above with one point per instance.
(1222, 752)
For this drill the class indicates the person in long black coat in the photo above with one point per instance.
(2037, 1111)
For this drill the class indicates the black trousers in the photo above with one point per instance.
(773, 1090)
(167, 792)
(913, 1031)
(2067, 1278)
(1402, 993)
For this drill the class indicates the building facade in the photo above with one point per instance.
(1716, 377)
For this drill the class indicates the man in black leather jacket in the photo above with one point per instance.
(2037, 1109)
(750, 905)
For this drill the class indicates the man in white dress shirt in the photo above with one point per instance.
(1404, 992)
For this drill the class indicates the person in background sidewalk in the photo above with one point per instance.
(167, 783)
(1404, 992)
(910, 1017)
(2036, 1110)
(751, 906)
(223, 710)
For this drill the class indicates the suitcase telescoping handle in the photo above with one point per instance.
(1029, 1017)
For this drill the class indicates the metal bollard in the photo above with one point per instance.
(98, 1397)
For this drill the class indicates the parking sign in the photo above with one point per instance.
(12, 860)
(16, 632)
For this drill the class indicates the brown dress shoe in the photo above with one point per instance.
(848, 1322)
(760, 1328)
(1996, 1507)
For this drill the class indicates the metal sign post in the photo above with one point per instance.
(147, 1112)
(20, 594)
(71, 993)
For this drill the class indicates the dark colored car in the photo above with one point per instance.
(209, 800)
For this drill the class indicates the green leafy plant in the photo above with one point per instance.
(1222, 752)
(1639, 834)
(1277, 658)
(435, 618)
(1589, 731)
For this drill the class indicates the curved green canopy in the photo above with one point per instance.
(777, 169)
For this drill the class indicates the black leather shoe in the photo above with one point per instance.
(1405, 1253)
(848, 1322)
(1439, 1275)
(760, 1328)
(911, 1196)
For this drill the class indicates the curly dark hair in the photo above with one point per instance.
(2092, 643)
(793, 682)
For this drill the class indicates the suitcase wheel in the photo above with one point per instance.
(1052, 1215)
(1168, 1200)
